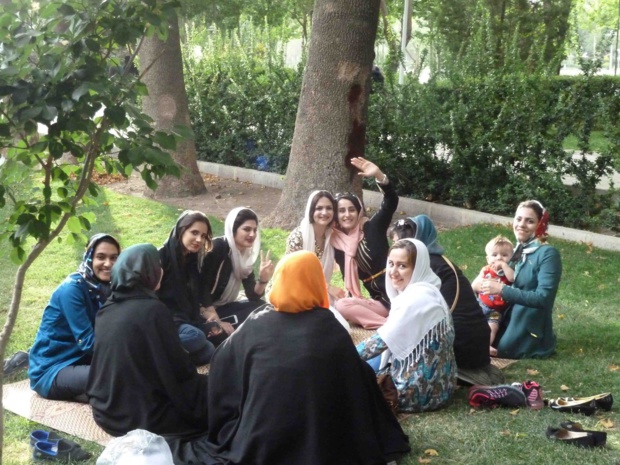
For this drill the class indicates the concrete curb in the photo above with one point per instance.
(444, 214)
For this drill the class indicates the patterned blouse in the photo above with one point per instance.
(295, 242)
(428, 383)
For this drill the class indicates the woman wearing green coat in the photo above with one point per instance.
(527, 327)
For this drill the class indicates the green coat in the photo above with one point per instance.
(529, 324)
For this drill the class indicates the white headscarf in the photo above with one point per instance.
(242, 261)
(309, 241)
(418, 314)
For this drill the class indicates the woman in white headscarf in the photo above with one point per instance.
(416, 340)
(228, 266)
(313, 234)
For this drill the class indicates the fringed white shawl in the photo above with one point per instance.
(418, 315)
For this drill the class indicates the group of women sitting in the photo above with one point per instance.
(290, 374)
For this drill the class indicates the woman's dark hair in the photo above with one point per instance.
(403, 228)
(244, 215)
(534, 205)
(351, 197)
(318, 196)
(409, 246)
(190, 217)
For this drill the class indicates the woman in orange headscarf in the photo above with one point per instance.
(289, 387)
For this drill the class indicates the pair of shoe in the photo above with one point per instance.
(533, 394)
(570, 432)
(584, 405)
(16, 362)
(47, 445)
(503, 395)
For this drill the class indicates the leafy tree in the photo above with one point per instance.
(63, 90)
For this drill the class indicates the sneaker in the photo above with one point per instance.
(496, 396)
(532, 392)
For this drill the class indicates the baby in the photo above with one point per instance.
(499, 251)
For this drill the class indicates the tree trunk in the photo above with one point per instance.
(330, 128)
(161, 65)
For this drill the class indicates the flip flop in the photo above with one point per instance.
(48, 436)
(60, 451)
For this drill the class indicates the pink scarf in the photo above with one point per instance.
(348, 244)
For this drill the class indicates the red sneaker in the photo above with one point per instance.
(533, 395)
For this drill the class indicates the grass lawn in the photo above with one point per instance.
(586, 322)
(598, 142)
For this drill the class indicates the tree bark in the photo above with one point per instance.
(161, 65)
(330, 128)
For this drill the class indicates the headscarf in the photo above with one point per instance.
(309, 241)
(242, 260)
(427, 234)
(419, 314)
(348, 243)
(100, 288)
(522, 250)
(137, 268)
(174, 246)
(299, 284)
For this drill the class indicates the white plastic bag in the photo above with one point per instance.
(138, 447)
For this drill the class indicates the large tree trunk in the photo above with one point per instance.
(161, 65)
(330, 128)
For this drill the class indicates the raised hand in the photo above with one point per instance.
(367, 168)
(266, 267)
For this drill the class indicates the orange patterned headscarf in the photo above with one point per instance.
(299, 284)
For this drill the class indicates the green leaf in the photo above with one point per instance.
(62, 192)
(116, 115)
(49, 113)
(81, 90)
(74, 225)
(165, 141)
(18, 255)
(90, 216)
(5, 130)
(85, 223)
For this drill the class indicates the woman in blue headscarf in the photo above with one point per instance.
(61, 354)
(471, 342)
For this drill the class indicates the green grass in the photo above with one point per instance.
(586, 322)
(598, 142)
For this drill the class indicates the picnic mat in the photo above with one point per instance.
(68, 417)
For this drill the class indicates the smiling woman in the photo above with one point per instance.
(61, 355)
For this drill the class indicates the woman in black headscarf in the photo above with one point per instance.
(181, 258)
(60, 356)
(140, 375)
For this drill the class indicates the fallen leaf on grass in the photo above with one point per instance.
(472, 411)
(431, 452)
(532, 372)
(606, 423)
(564, 387)
(505, 432)
(614, 367)
(561, 316)
(515, 412)
(421, 460)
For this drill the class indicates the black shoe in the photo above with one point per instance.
(17, 362)
(603, 401)
(600, 437)
(587, 406)
(581, 438)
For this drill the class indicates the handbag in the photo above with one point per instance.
(388, 388)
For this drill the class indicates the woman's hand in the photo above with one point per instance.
(367, 168)
(491, 287)
(209, 313)
(336, 292)
(266, 268)
(228, 327)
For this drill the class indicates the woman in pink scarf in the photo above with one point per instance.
(361, 250)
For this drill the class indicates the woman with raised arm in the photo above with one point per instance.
(181, 258)
(61, 354)
(527, 327)
(361, 250)
(228, 266)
